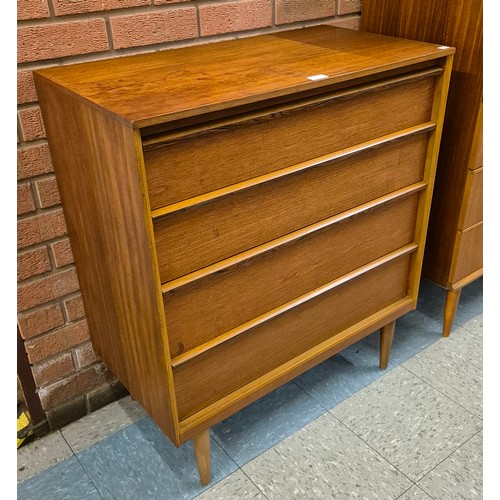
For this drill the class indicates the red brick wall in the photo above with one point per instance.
(71, 379)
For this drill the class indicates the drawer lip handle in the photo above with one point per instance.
(235, 400)
(299, 167)
(287, 238)
(161, 139)
(287, 306)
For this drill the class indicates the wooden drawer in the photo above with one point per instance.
(224, 369)
(468, 254)
(221, 155)
(199, 236)
(472, 209)
(476, 157)
(217, 303)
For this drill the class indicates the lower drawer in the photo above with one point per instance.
(205, 234)
(201, 310)
(472, 210)
(224, 369)
(468, 254)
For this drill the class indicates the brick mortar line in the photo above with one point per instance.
(43, 243)
(40, 177)
(109, 33)
(52, 11)
(75, 372)
(142, 49)
(55, 330)
(35, 142)
(38, 211)
(26, 105)
(53, 271)
(99, 14)
(60, 301)
(69, 349)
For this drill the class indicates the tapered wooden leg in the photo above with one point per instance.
(386, 335)
(202, 453)
(450, 309)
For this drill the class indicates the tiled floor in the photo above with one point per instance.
(344, 430)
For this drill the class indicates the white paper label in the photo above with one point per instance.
(317, 77)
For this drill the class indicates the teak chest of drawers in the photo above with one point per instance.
(454, 250)
(241, 211)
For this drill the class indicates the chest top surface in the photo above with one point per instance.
(148, 89)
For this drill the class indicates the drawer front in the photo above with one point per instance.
(472, 210)
(199, 236)
(476, 158)
(224, 369)
(205, 308)
(469, 253)
(226, 155)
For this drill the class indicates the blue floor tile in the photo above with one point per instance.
(258, 427)
(139, 462)
(414, 332)
(65, 481)
(432, 299)
(342, 375)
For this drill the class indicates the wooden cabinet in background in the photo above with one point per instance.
(241, 211)
(454, 251)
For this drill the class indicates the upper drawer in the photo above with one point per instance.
(214, 155)
(204, 234)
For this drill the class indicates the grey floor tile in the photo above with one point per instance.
(266, 422)
(411, 424)
(342, 375)
(459, 477)
(139, 462)
(432, 298)
(237, 486)
(325, 460)
(453, 365)
(475, 325)
(415, 493)
(41, 454)
(102, 423)
(64, 481)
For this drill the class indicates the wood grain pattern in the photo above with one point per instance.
(206, 308)
(469, 253)
(162, 86)
(202, 454)
(450, 309)
(226, 155)
(264, 213)
(252, 391)
(472, 207)
(386, 336)
(215, 374)
(98, 176)
(223, 265)
(223, 206)
(457, 24)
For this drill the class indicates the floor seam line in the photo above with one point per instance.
(448, 456)
(90, 479)
(443, 394)
(256, 485)
(371, 447)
